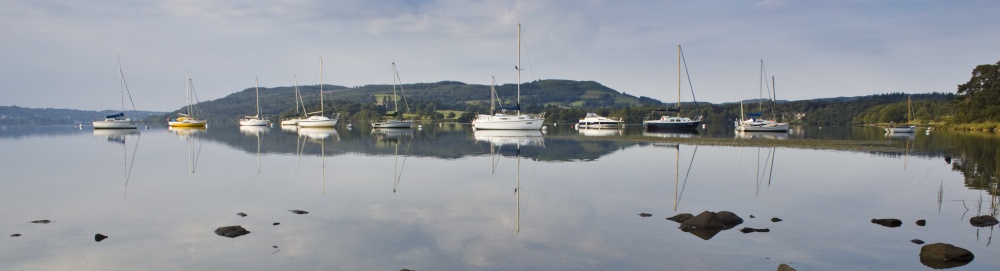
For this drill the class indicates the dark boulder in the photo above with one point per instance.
(729, 219)
(645, 214)
(785, 267)
(888, 222)
(100, 237)
(941, 256)
(704, 221)
(231, 231)
(983, 221)
(775, 219)
(921, 222)
(680, 218)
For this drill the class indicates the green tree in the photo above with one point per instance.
(979, 99)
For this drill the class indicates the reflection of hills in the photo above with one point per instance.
(446, 142)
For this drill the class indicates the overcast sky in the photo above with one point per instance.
(61, 54)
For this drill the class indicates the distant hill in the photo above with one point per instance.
(11, 115)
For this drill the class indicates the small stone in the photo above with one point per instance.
(888, 222)
(298, 212)
(404, 269)
(645, 214)
(276, 223)
(100, 237)
(775, 219)
(921, 222)
(15, 235)
(751, 216)
(983, 221)
(43, 221)
(749, 230)
(241, 214)
(274, 246)
(231, 231)
(917, 241)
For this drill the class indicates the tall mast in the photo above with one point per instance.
(678, 80)
(187, 92)
(395, 102)
(121, 83)
(760, 97)
(256, 88)
(321, 85)
(774, 102)
(518, 67)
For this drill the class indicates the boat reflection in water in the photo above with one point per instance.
(599, 132)
(290, 128)
(395, 137)
(115, 135)
(255, 131)
(671, 134)
(189, 134)
(510, 137)
(761, 135)
(187, 131)
(119, 136)
(319, 133)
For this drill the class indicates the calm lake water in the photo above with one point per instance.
(449, 198)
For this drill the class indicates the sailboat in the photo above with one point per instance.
(255, 120)
(294, 121)
(754, 121)
(118, 121)
(397, 122)
(189, 119)
(674, 122)
(909, 117)
(319, 120)
(502, 121)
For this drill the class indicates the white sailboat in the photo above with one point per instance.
(118, 121)
(319, 120)
(189, 119)
(294, 121)
(674, 123)
(503, 121)
(908, 129)
(754, 122)
(397, 121)
(255, 120)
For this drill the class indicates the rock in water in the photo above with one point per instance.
(785, 267)
(704, 221)
(888, 222)
(100, 237)
(645, 214)
(15, 235)
(241, 214)
(749, 230)
(941, 256)
(921, 222)
(775, 219)
(298, 212)
(43, 221)
(983, 221)
(231, 231)
(729, 219)
(680, 218)
(917, 241)
(276, 223)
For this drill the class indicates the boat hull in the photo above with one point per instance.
(393, 124)
(776, 127)
(254, 122)
(671, 126)
(114, 124)
(290, 122)
(187, 123)
(901, 130)
(318, 121)
(505, 122)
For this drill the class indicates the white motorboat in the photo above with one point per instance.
(595, 121)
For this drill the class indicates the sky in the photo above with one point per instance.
(63, 54)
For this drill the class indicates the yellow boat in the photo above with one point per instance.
(187, 120)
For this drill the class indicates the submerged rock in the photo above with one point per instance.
(888, 222)
(704, 221)
(645, 214)
(729, 219)
(298, 212)
(921, 222)
(941, 256)
(917, 241)
(100, 237)
(241, 214)
(276, 223)
(749, 230)
(15, 235)
(775, 219)
(231, 231)
(43, 221)
(785, 267)
(983, 221)
(680, 218)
